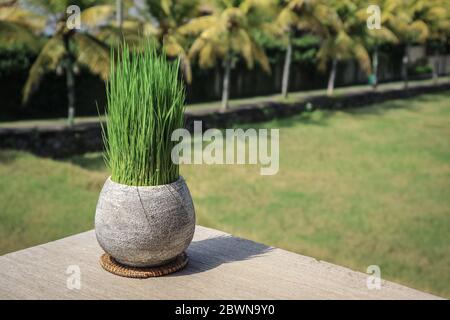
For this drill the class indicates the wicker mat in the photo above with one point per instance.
(109, 264)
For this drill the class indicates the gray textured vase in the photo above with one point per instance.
(144, 226)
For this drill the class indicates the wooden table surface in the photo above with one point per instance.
(221, 267)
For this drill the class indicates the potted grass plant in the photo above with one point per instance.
(145, 216)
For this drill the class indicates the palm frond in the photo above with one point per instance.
(173, 48)
(144, 28)
(241, 42)
(419, 30)
(95, 15)
(34, 22)
(93, 54)
(383, 35)
(325, 53)
(133, 33)
(47, 60)
(197, 25)
(207, 56)
(261, 57)
(12, 33)
(362, 56)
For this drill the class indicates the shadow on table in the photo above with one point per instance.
(210, 253)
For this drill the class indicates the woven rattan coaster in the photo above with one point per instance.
(110, 264)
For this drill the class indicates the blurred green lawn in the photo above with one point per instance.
(364, 187)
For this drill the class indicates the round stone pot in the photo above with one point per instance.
(144, 226)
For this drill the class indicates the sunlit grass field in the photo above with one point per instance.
(364, 187)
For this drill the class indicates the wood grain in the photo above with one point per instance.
(221, 267)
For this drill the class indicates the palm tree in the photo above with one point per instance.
(409, 29)
(297, 15)
(227, 34)
(342, 39)
(171, 16)
(68, 48)
(20, 26)
(375, 38)
(134, 30)
(436, 15)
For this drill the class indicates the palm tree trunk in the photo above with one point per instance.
(119, 14)
(70, 80)
(217, 80)
(286, 69)
(444, 65)
(405, 64)
(375, 68)
(436, 67)
(226, 83)
(332, 77)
